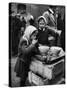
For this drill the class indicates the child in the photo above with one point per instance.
(46, 34)
(27, 48)
(47, 37)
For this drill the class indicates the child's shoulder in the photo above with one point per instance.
(23, 40)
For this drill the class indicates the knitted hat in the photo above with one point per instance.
(44, 18)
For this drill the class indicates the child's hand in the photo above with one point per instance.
(34, 41)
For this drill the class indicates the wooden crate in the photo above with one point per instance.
(36, 66)
(50, 71)
(47, 70)
(36, 80)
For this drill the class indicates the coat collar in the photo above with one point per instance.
(42, 29)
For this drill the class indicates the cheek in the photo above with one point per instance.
(33, 37)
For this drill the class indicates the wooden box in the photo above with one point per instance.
(36, 66)
(50, 71)
(36, 80)
(47, 70)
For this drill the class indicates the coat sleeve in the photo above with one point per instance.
(26, 49)
(53, 31)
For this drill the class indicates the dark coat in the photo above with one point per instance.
(43, 36)
(24, 58)
(16, 25)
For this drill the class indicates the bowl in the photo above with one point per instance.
(55, 50)
(43, 49)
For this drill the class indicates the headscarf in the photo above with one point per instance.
(44, 18)
(28, 32)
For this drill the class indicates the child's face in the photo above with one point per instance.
(34, 35)
(42, 23)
